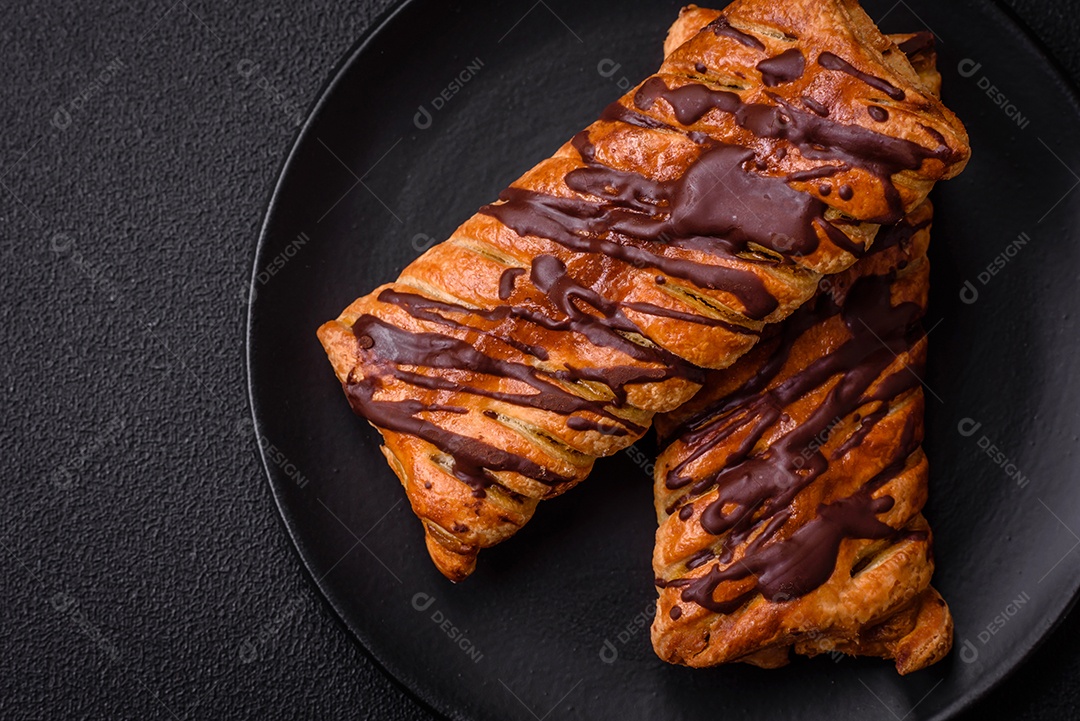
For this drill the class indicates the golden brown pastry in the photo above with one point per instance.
(704, 205)
(918, 48)
(790, 496)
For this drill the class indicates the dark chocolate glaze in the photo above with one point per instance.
(786, 67)
(819, 108)
(816, 137)
(867, 424)
(425, 308)
(700, 558)
(755, 489)
(619, 113)
(833, 62)
(583, 144)
(823, 171)
(783, 336)
(472, 458)
(878, 113)
(629, 219)
(387, 349)
(890, 236)
(794, 566)
(507, 280)
(393, 347)
(918, 43)
(723, 28)
(633, 215)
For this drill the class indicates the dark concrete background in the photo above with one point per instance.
(144, 571)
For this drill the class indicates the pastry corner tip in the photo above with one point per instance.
(455, 565)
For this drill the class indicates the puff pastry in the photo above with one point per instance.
(790, 496)
(704, 205)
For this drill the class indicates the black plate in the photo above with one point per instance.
(554, 622)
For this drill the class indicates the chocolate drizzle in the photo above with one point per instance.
(823, 171)
(833, 62)
(633, 216)
(691, 229)
(890, 236)
(472, 458)
(723, 28)
(507, 280)
(878, 113)
(819, 108)
(917, 43)
(796, 565)
(386, 351)
(816, 137)
(786, 67)
(756, 488)
(584, 146)
(618, 113)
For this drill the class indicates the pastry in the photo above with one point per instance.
(789, 493)
(703, 206)
(918, 47)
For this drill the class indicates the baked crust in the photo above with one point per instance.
(552, 326)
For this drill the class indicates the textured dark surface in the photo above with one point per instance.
(145, 573)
